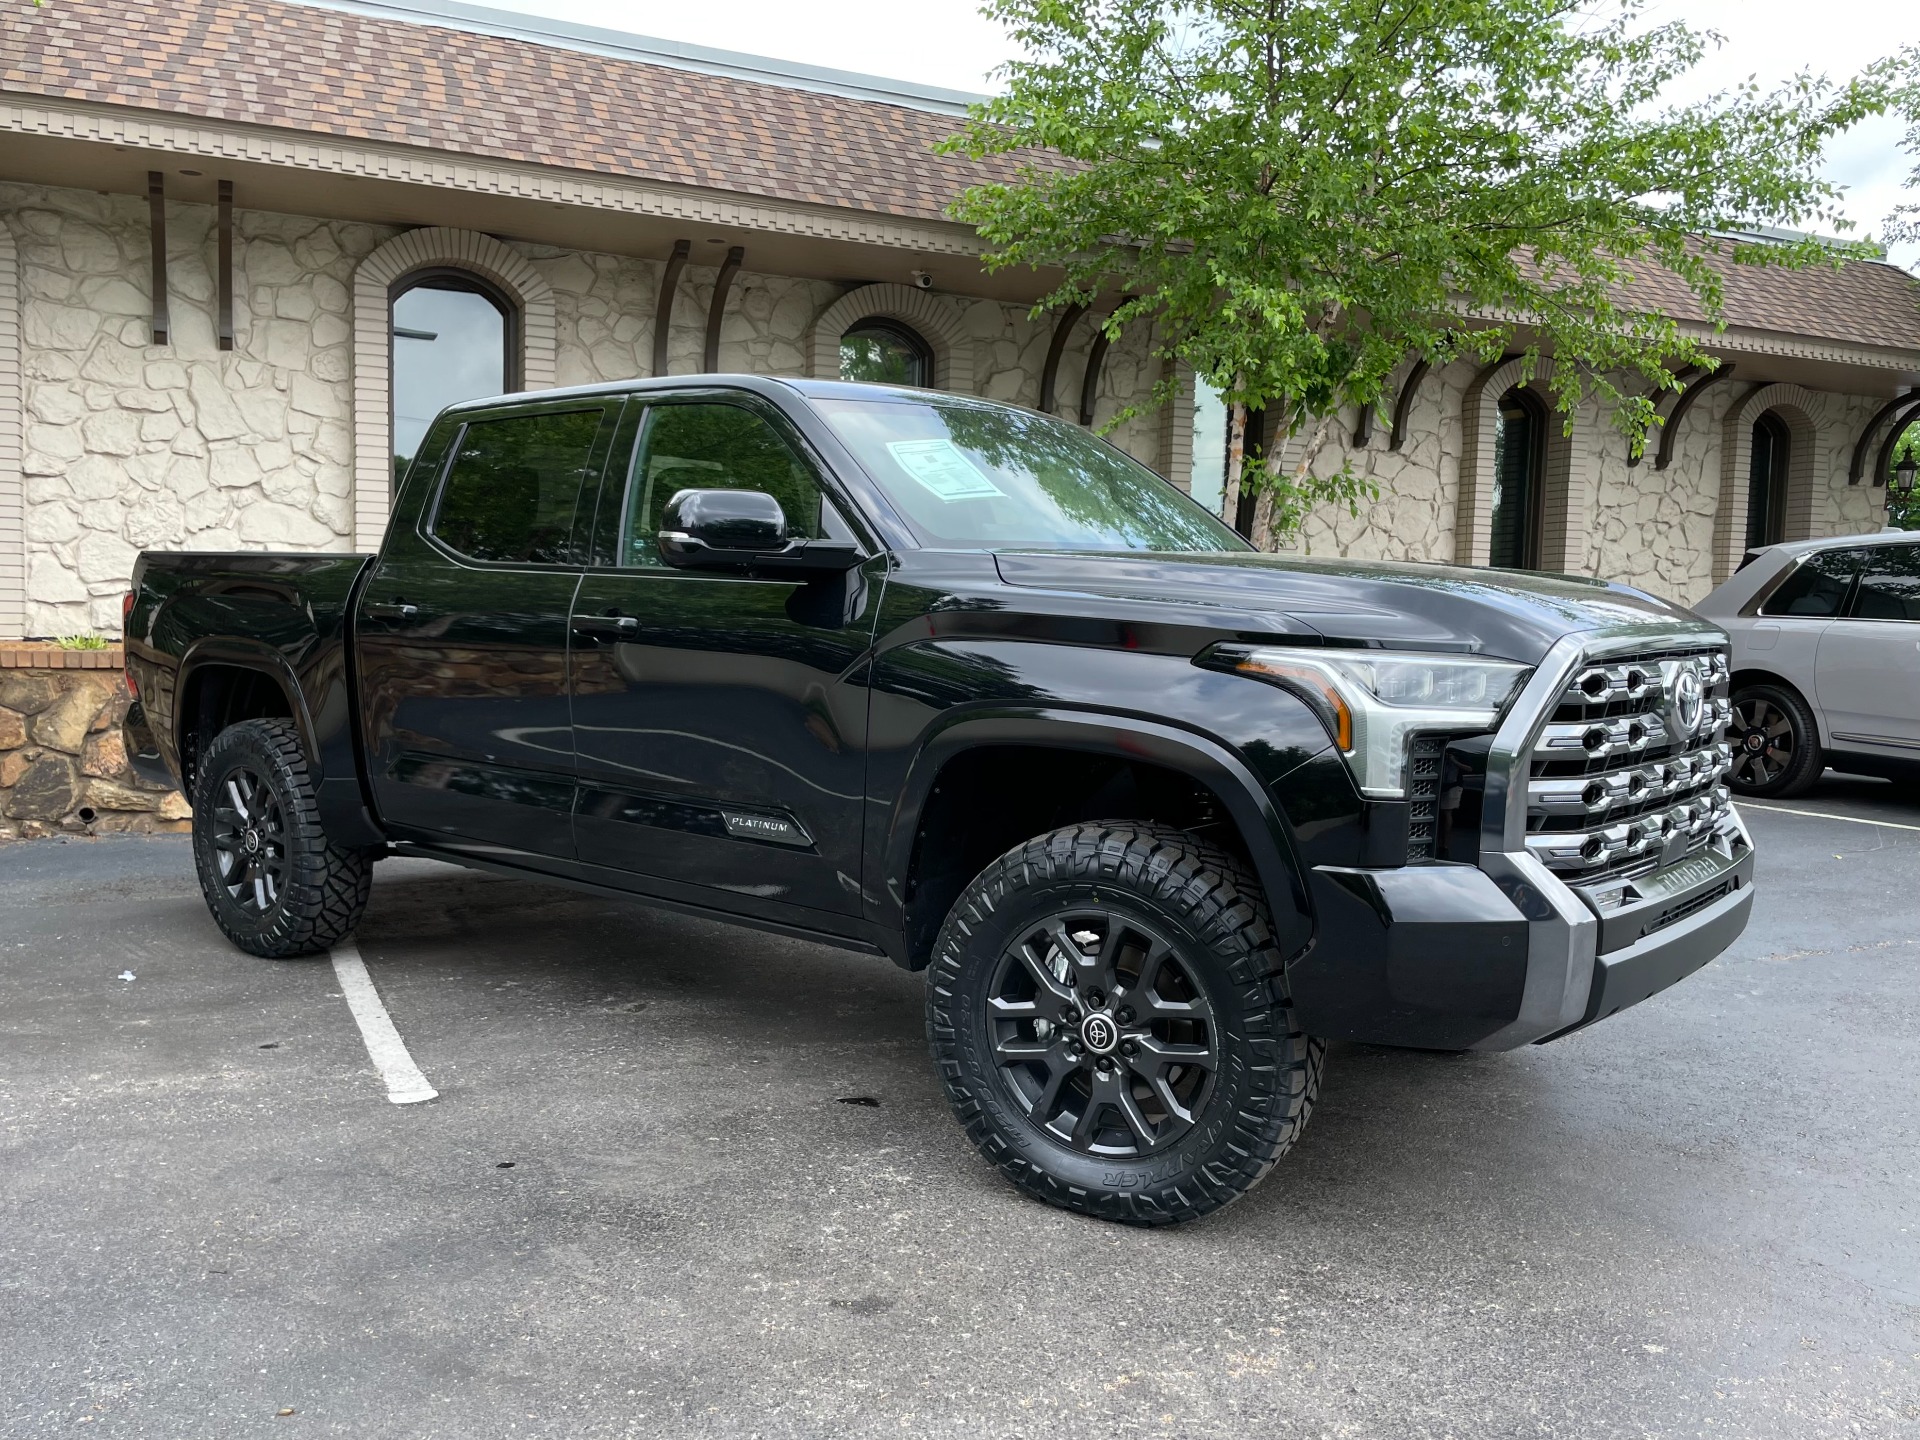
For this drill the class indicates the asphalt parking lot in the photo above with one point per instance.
(644, 1204)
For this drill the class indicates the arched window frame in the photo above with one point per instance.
(933, 317)
(1564, 474)
(1803, 413)
(899, 330)
(1532, 535)
(472, 254)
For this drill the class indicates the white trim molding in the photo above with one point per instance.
(1566, 489)
(928, 316)
(432, 248)
(1802, 411)
(13, 518)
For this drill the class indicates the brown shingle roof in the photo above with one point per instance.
(299, 67)
(304, 68)
(1861, 303)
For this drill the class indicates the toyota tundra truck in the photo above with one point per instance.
(963, 686)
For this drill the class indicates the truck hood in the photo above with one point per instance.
(1508, 614)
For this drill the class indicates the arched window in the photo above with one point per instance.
(886, 352)
(1519, 457)
(454, 338)
(1767, 482)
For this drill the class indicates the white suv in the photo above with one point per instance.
(1826, 660)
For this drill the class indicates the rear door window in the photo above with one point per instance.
(1889, 584)
(514, 488)
(1818, 588)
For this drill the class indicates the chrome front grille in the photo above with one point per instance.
(1628, 773)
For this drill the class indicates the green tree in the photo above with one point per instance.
(1302, 194)
(1903, 225)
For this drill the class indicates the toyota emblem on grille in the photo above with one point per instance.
(1688, 699)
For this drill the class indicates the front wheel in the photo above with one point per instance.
(1107, 1011)
(1776, 744)
(276, 885)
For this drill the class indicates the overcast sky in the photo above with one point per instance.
(947, 42)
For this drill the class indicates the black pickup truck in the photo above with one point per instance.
(960, 685)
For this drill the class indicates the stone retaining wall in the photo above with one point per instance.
(62, 764)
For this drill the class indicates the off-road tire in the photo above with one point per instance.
(323, 886)
(1213, 915)
(1800, 767)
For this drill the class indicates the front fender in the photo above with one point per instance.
(1247, 800)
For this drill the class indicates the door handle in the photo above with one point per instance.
(391, 610)
(611, 626)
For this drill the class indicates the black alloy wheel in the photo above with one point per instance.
(249, 835)
(1775, 752)
(1102, 1035)
(276, 885)
(1107, 1007)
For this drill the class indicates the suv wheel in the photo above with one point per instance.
(1776, 747)
(275, 884)
(1107, 1012)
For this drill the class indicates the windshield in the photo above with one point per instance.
(986, 477)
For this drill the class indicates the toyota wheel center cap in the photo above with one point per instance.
(1099, 1034)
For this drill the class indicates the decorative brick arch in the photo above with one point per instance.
(13, 520)
(1564, 487)
(929, 318)
(434, 247)
(1802, 411)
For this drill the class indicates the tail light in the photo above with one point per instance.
(126, 615)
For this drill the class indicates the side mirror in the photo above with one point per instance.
(725, 520)
(742, 530)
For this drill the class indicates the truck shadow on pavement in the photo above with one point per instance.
(507, 967)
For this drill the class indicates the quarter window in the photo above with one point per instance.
(513, 490)
(1818, 588)
(1889, 584)
(713, 447)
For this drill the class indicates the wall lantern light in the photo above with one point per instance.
(1903, 477)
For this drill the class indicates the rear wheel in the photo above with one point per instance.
(1776, 745)
(276, 885)
(1107, 1012)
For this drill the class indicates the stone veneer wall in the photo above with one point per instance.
(1645, 527)
(604, 306)
(62, 764)
(131, 446)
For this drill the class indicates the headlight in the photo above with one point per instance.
(1373, 700)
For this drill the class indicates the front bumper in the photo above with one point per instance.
(1454, 957)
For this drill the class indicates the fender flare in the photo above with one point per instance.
(232, 654)
(1251, 807)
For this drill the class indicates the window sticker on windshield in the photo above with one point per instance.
(943, 468)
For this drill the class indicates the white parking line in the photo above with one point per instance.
(405, 1084)
(1827, 815)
